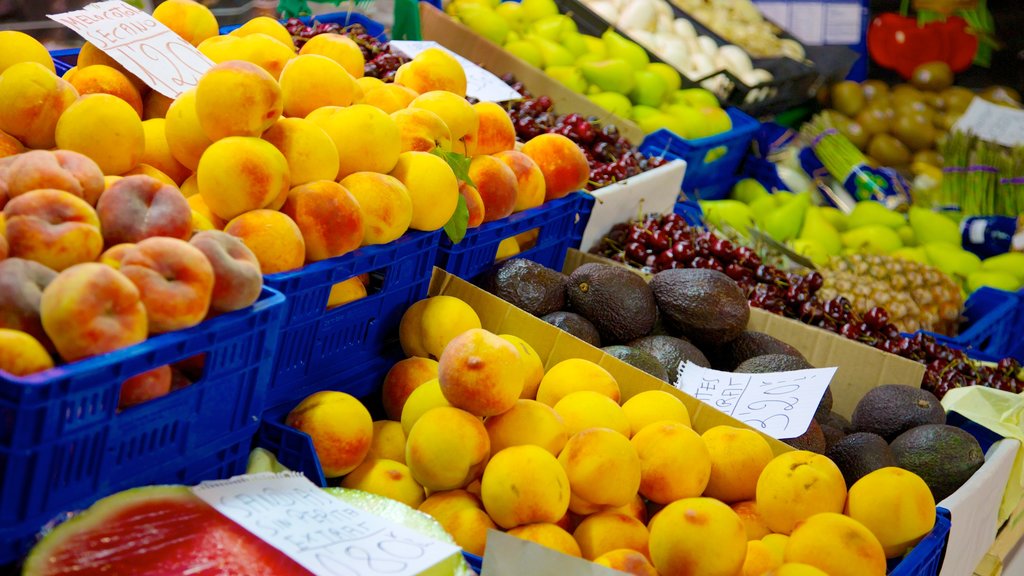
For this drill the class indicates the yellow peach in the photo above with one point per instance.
(185, 137)
(837, 545)
(404, 377)
(422, 130)
(797, 485)
(339, 48)
(386, 478)
(481, 373)
(21, 354)
(340, 426)
(346, 291)
(652, 406)
(238, 174)
(189, 19)
(674, 462)
(603, 467)
(524, 485)
(628, 561)
(385, 203)
(16, 47)
(527, 422)
(309, 151)
(603, 532)
(447, 448)
(367, 139)
(273, 237)
(237, 98)
(268, 26)
(737, 458)
(32, 100)
(573, 375)
(697, 536)
(433, 189)
(532, 364)
(312, 81)
(104, 128)
(433, 69)
(548, 535)
(390, 97)
(421, 400)
(588, 409)
(495, 132)
(157, 153)
(388, 441)
(457, 114)
(328, 217)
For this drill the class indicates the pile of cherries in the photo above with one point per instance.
(611, 156)
(661, 243)
(381, 61)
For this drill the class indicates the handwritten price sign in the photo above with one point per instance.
(144, 46)
(780, 404)
(325, 535)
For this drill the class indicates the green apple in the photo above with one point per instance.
(650, 89)
(485, 22)
(612, 75)
(554, 54)
(574, 43)
(695, 97)
(640, 112)
(672, 79)
(613, 102)
(534, 10)
(620, 47)
(553, 27)
(716, 121)
(595, 45)
(512, 12)
(526, 51)
(570, 76)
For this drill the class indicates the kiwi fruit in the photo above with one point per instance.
(888, 150)
(932, 76)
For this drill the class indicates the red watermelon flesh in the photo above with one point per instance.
(156, 530)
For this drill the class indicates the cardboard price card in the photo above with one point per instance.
(324, 535)
(480, 83)
(993, 123)
(780, 404)
(137, 41)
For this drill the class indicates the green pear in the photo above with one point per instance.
(872, 239)
(915, 254)
(588, 57)
(812, 250)
(574, 43)
(570, 76)
(512, 13)
(672, 79)
(933, 227)
(747, 190)
(871, 213)
(1010, 263)
(952, 260)
(654, 122)
(687, 122)
(485, 22)
(728, 214)
(640, 112)
(620, 47)
(527, 51)
(650, 89)
(817, 228)
(553, 28)
(595, 45)
(762, 207)
(993, 279)
(554, 54)
(782, 197)
(695, 97)
(785, 222)
(513, 36)
(836, 217)
(534, 10)
(612, 75)
(613, 102)
(907, 235)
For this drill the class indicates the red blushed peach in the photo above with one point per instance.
(175, 279)
(528, 175)
(563, 164)
(92, 309)
(328, 216)
(4, 249)
(138, 207)
(474, 203)
(21, 286)
(53, 227)
(404, 377)
(496, 184)
(60, 170)
(495, 133)
(115, 254)
(144, 387)
(237, 280)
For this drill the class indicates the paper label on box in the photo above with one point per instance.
(993, 123)
(480, 83)
(325, 535)
(137, 41)
(780, 404)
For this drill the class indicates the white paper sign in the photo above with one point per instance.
(480, 83)
(323, 534)
(137, 41)
(780, 404)
(993, 123)
(508, 556)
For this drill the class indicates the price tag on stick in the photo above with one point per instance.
(325, 535)
(780, 404)
(137, 41)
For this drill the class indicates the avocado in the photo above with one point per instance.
(943, 456)
(772, 363)
(832, 435)
(671, 352)
(616, 301)
(813, 440)
(746, 346)
(824, 412)
(892, 409)
(527, 285)
(837, 420)
(638, 358)
(860, 454)
(576, 325)
(704, 305)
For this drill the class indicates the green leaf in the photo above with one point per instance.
(459, 164)
(459, 222)
(293, 8)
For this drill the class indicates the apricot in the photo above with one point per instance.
(528, 422)
(760, 559)
(365, 83)
(433, 189)
(532, 365)
(309, 151)
(90, 55)
(52, 227)
(21, 286)
(198, 206)
(628, 561)
(495, 132)
(273, 237)
(367, 139)
(258, 48)
(312, 81)
(91, 309)
(158, 153)
(139, 207)
(339, 48)
(474, 205)
(390, 97)
(429, 325)
(100, 79)
(573, 375)
(589, 409)
(385, 204)
(155, 105)
(21, 354)
(237, 280)
(185, 137)
(149, 385)
(60, 170)
(697, 536)
(175, 280)
(9, 145)
(481, 373)
(752, 520)
(836, 544)
(795, 569)
(32, 101)
(238, 174)
(421, 130)
(496, 184)
(328, 217)
(652, 406)
(346, 291)
(461, 514)
(507, 248)
(104, 128)
(797, 485)
(16, 47)
(737, 458)
(531, 187)
(388, 441)
(268, 26)
(563, 164)
(524, 485)
(457, 114)
(386, 478)
(400, 381)
(604, 469)
(237, 98)
(447, 448)
(433, 69)
(421, 400)
(548, 535)
(340, 426)
(674, 460)
(895, 505)
(603, 532)
(187, 18)
(190, 187)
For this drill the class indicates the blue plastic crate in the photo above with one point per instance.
(560, 223)
(64, 60)
(690, 210)
(926, 558)
(995, 323)
(318, 347)
(372, 27)
(709, 161)
(63, 443)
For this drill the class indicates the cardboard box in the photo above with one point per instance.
(440, 28)
(860, 367)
